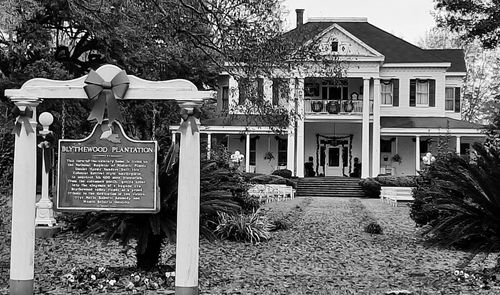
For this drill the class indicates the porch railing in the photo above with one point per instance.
(334, 107)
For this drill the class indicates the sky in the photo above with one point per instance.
(407, 19)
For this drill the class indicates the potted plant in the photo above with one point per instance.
(333, 107)
(317, 106)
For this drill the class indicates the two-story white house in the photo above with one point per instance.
(394, 105)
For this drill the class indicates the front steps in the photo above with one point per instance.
(329, 186)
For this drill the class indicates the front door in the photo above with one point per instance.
(334, 160)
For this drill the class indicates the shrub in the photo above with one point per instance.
(244, 227)
(281, 224)
(401, 181)
(285, 173)
(373, 228)
(459, 200)
(370, 187)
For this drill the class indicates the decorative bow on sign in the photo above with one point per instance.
(105, 93)
(189, 118)
(23, 118)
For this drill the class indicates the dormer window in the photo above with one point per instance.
(335, 46)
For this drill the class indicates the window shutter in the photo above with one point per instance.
(276, 91)
(432, 93)
(413, 90)
(395, 92)
(457, 99)
(260, 89)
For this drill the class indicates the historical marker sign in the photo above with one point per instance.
(108, 172)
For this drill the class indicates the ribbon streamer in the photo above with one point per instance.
(22, 118)
(189, 119)
(104, 95)
(46, 143)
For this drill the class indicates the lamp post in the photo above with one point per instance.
(44, 212)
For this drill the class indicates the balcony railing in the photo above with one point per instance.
(334, 107)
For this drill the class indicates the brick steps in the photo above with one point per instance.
(330, 186)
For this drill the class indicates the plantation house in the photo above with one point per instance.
(394, 104)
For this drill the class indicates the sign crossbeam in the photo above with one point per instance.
(30, 94)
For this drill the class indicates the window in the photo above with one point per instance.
(422, 92)
(333, 92)
(250, 89)
(280, 90)
(335, 46)
(253, 151)
(334, 157)
(282, 151)
(225, 98)
(385, 146)
(449, 99)
(386, 92)
(464, 149)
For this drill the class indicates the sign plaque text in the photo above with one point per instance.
(108, 172)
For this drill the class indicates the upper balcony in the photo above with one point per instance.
(327, 97)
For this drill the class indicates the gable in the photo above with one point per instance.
(346, 43)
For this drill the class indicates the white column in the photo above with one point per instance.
(299, 94)
(417, 153)
(376, 128)
(209, 145)
(173, 137)
(365, 133)
(188, 210)
(247, 152)
(22, 246)
(290, 150)
(458, 145)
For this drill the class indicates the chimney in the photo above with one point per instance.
(300, 17)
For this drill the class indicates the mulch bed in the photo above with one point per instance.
(325, 251)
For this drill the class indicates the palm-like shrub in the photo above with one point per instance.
(458, 201)
(222, 190)
(252, 227)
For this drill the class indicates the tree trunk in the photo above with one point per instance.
(151, 256)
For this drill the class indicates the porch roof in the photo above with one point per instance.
(236, 120)
(427, 122)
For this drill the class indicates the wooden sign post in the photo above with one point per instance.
(24, 184)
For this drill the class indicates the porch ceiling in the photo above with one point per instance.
(427, 122)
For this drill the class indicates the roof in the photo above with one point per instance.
(426, 122)
(455, 56)
(394, 49)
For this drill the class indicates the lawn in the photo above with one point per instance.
(325, 251)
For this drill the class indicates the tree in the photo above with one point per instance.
(471, 19)
(152, 39)
(483, 78)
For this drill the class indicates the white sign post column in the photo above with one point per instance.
(22, 245)
(188, 206)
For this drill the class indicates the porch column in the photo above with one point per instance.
(290, 150)
(299, 95)
(173, 137)
(458, 145)
(209, 145)
(417, 153)
(365, 139)
(247, 153)
(22, 246)
(376, 128)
